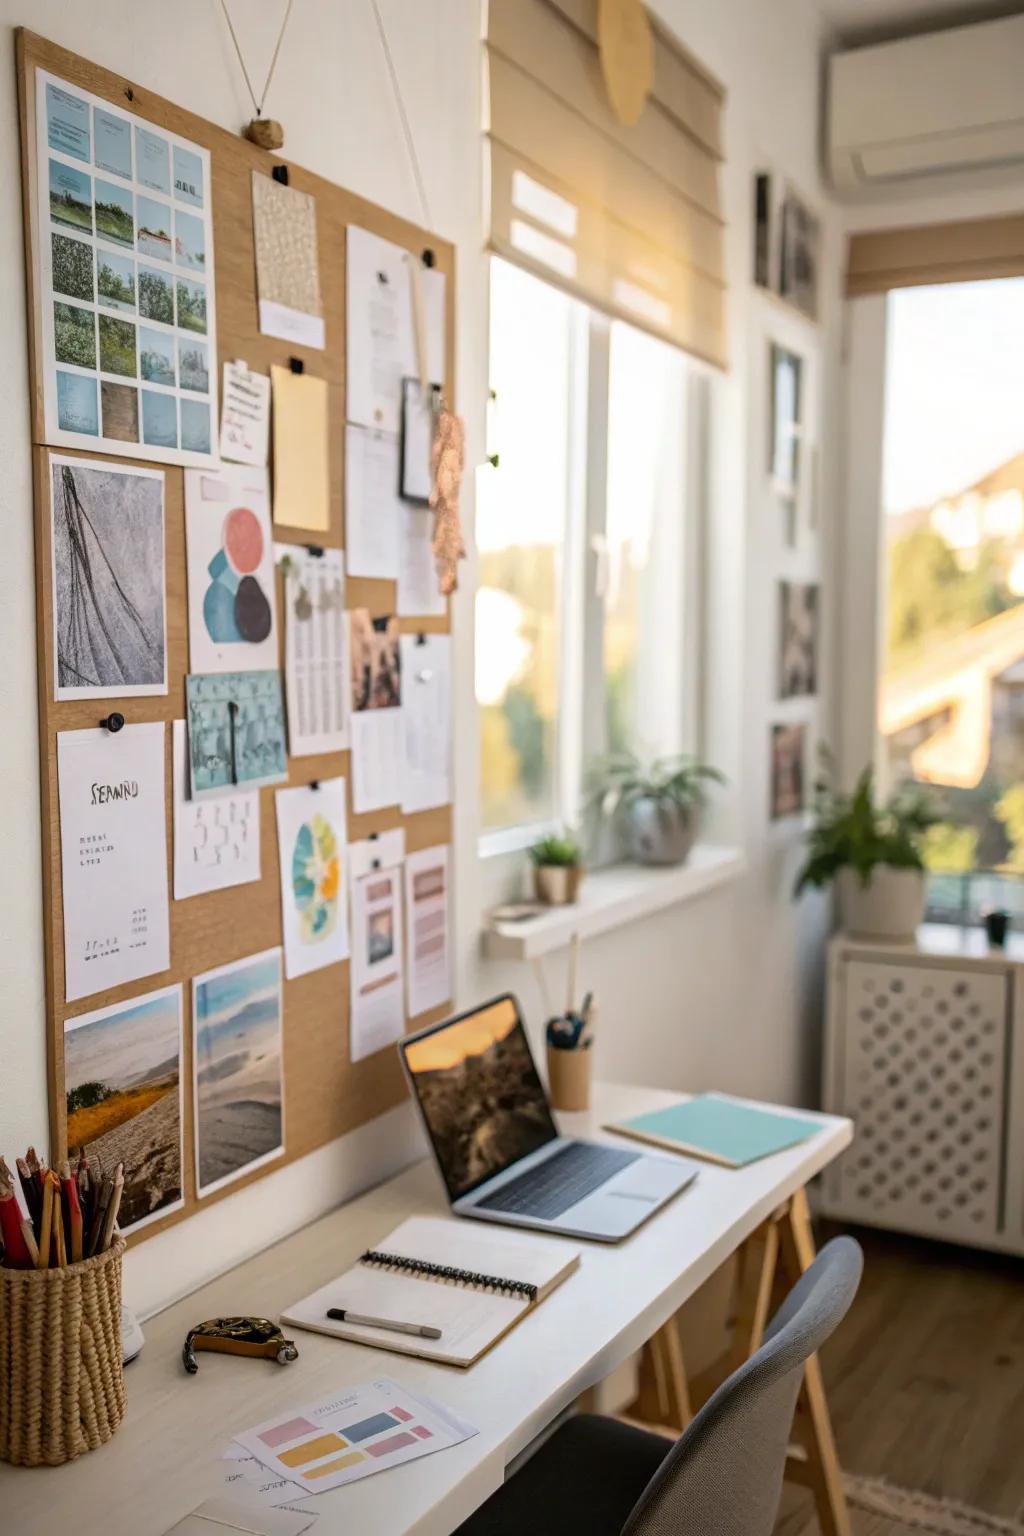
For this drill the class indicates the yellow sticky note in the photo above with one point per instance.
(301, 483)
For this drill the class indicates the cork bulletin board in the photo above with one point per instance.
(325, 1094)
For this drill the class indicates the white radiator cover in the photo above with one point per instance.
(920, 1053)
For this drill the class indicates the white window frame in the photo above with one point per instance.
(581, 727)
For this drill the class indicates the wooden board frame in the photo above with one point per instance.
(326, 1094)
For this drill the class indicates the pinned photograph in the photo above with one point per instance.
(788, 770)
(120, 406)
(188, 176)
(70, 197)
(235, 730)
(376, 661)
(117, 346)
(156, 356)
(159, 419)
(195, 426)
(77, 406)
(115, 213)
(152, 160)
(156, 296)
(798, 639)
(113, 143)
(194, 365)
(154, 235)
(191, 305)
(237, 1065)
(108, 580)
(798, 256)
(72, 266)
(67, 122)
(74, 335)
(115, 281)
(122, 1083)
(189, 241)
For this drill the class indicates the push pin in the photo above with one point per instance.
(114, 722)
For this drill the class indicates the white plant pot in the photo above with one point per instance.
(889, 906)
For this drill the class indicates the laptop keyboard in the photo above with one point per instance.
(550, 1188)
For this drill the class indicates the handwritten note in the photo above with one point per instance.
(245, 416)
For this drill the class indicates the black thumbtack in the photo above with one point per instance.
(113, 723)
(296, 365)
(280, 173)
(421, 638)
(428, 257)
(382, 277)
(375, 863)
(316, 550)
(129, 93)
(314, 783)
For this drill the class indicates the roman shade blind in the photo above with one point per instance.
(625, 217)
(963, 252)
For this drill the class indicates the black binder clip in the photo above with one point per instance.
(113, 723)
(428, 257)
(296, 365)
(280, 173)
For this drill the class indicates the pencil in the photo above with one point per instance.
(60, 1246)
(99, 1213)
(30, 1242)
(113, 1205)
(45, 1226)
(30, 1191)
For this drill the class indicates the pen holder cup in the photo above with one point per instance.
(569, 1078)
(61, 1372)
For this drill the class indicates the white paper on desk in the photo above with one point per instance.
(232, 596)
(312, 843)
(215, 1516)
(426, 722)
(113, 856)
(247, 1479)
(216, 841)
(315, 651)
(381, 338)
(375, 1425)
(418, 594)
(245, 415)
(377, 1017)
(428, 929)
(372, 503)
(377, 734)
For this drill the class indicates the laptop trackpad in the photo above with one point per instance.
(652, 1178)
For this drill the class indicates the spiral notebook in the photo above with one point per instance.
(447, 1274)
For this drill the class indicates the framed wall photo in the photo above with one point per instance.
(786, 386)
(799, 241)
(788, 770)
(798, 639)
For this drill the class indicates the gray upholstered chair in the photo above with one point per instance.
(722, 1477)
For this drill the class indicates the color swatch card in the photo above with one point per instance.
(216, 840)
(235, 731)
(428, 929)
(245, 415)
(377, 1015)
(124, 245)
(356, 1432)
(287, 264)
(231, 592)
(113, 856)
(312, 844)
(315, 651)
(301, 474)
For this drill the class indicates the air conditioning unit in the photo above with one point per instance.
(940, 105)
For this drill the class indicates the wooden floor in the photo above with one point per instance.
(925, 1377)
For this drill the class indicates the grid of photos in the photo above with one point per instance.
(126, 281)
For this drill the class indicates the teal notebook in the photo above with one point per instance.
(720, 1129)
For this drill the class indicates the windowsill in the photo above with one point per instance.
(611, 898)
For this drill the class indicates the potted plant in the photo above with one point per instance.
(872, 850)
(557, 869)
(655, 805)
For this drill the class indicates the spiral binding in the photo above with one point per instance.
(466, 1277)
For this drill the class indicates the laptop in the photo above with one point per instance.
(498, 1148)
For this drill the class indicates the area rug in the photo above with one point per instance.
(884, 1510)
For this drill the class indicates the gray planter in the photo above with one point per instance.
(658, 831)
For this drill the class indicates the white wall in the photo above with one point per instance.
(723, 991)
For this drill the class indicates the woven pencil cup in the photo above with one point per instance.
(61, 1373)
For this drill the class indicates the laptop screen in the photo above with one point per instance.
(483, 1103)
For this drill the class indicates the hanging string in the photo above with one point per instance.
(410, 143)
(258, 105)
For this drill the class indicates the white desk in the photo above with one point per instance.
(163, 1461)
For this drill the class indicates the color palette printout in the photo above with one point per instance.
(359, 1431)
(113, 856)
(312, 845)
(125, 281)
(231, 590)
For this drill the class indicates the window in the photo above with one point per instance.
(586, 539)
(951, 697)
